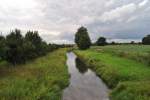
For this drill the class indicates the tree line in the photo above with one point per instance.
(83, 40)
(18, 49)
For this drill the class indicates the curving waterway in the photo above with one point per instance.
(84, 83)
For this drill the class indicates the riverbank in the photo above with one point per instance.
(41, 79)
(128, 78)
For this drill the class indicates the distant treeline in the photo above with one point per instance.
(83, 40)
(17, 49)
(116, 43)
(102, 41)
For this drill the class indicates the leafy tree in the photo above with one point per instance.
(113, 43)
(14, 52)
(18, 49)
(43, 48)
(33, 37)
(146, 40)
(82, 38)
(28, 50)
(132, 42)
(2, 47)
(101, 41)
(36, 41)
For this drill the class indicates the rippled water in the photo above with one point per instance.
(84, 84)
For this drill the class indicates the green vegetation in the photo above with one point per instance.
(17, 49)
(132, 91)
(101, 41)
(41, 79)
(146, 40)
(82, 38)
(128, 78)
(140, 53)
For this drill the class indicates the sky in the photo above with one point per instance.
(58, 20)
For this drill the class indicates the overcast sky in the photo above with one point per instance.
(58, 20)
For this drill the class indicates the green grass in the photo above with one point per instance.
(40, 79)
(140, 53)
(132, 91)
(119, 71)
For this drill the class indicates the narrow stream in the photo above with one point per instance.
(84, 84)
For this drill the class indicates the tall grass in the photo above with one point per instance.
(41, 79)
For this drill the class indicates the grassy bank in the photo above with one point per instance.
(128, 78)
(41, 79)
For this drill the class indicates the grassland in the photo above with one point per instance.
(140, 53)
(128, 77)
(41, 79)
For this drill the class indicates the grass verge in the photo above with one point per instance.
(42, 79)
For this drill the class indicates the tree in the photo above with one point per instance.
(29, 50)
(146, 40)
(113, 43)
(82, 38)
(14, 52)
(132, 42)
(2, 47)
(101, 41)
(17, 49)
(36, 41)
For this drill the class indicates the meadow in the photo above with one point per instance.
(140, 53)
(36, 80)
(124, 68)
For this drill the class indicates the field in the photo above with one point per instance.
(36, 80)
(124, 68)
(140, 53)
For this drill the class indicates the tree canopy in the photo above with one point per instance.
(146, 40)
(17, 49)
(101, 41)
(82, 38)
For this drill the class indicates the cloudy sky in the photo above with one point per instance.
(58, 20)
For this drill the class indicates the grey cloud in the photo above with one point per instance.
(58, 20)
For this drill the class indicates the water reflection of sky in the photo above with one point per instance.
(84, 83)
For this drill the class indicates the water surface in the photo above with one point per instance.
(84, 83)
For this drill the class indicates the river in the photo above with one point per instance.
(84, 83)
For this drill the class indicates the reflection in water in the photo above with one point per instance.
(84, 84)
(81, 66)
